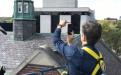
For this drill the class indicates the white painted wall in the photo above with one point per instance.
(60, 3)
(84, 19)
(68, 19)
(45, 23)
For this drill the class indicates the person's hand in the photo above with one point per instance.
(70, 38)
(62, 23)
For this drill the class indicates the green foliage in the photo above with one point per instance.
(112, 34)
(119, 24)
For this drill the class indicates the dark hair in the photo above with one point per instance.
(92, 31)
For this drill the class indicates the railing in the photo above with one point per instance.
(42, 72)
(45, 70)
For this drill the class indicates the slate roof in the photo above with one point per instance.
(14, 53)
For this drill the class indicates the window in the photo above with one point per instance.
(26, 7)
(19, 7)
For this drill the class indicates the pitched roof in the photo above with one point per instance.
(19, 51)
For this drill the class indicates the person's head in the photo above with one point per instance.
(91, 33)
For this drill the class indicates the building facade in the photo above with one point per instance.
(28, 20)
(52, 11)
(24, 24)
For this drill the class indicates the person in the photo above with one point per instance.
(81, 61)
(2, 68)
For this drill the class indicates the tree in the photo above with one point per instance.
(112, 34)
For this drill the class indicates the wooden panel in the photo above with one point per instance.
(68, 18)
(33, 69)
(84, 19)
(45, 23)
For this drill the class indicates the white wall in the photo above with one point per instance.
(45, 23)
(84, 19)
(68, 19)
(60, 3)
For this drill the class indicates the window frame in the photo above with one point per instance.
(26, 7)
(20, 9)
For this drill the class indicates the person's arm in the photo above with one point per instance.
(62, 47)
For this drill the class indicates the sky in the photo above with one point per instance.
(103, 8)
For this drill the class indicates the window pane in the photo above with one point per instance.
(25, 7)
(19, 7)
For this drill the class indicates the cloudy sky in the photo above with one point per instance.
(103, 8)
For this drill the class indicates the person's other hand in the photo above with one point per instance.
(70, 38)
(62, 23)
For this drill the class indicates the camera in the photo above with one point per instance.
(70, 29)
